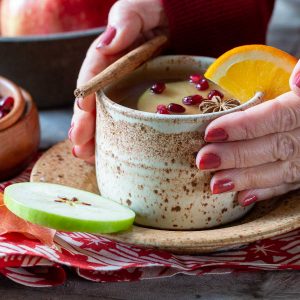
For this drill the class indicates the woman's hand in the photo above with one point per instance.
(295, 79)
(255, 152)
(130, 22)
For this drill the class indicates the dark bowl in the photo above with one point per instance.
(47, 66)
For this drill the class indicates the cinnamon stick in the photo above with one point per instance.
(122, 66)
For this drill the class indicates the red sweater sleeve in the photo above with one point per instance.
(211, 27)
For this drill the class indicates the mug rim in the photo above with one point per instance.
(176, 117)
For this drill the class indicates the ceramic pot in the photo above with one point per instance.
(147, 161)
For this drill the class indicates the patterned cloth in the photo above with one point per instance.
(99, 259)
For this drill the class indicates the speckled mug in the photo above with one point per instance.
(147, 161)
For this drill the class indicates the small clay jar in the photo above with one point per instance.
(19, 131)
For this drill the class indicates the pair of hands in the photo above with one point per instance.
(255, 152)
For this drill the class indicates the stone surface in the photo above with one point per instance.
(247, 286)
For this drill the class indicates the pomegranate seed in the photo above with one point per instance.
(162, 109)
(214, 93)
(192, 100)
(202, 85)
(3, 113)
(7, 103)
(195, 78)
(158, 87)
(176, 108)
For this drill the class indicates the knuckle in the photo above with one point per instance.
(286, 146)
(284, 117)
(240, 157)
(248, 131)
(291, 171)
(248, 179)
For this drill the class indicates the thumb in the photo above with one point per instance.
(126, 21)
(295, 79)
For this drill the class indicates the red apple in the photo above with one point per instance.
(29, 17)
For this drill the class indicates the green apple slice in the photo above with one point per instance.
(65, 208)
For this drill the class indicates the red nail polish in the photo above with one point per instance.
(209, 161)
(297, 80)
(216, 135)
(70, 131)
(107, 36)
(73, 152)
(249, 200)
(222, 186)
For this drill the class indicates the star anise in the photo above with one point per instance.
(217, 104)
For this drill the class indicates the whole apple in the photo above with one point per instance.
(31, 17)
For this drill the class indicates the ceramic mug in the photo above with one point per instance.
(147, 161)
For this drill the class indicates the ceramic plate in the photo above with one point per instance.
(266, 219)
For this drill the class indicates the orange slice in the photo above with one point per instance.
(245, 70)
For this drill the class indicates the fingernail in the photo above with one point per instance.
(107, 36)
(249, 200)
(73, 152)
(216, 135)
(209, 161)
(297, 80)
(222, 186)
(70, 131)
(78, 103)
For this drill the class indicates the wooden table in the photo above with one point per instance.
(241, 285)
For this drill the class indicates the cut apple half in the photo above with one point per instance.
(65, 208)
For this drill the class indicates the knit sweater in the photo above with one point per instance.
(211, 27)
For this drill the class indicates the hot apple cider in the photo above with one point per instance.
(195, 96)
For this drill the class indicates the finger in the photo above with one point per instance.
(94, 62)
(295, 79)
(278, 115)
(264, 176)
(91, 160)
(83, 127)
(85, 151)
(243, 154)
(129, 19)
(124, 26)
(248, 197)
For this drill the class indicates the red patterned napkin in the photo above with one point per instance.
(95, 258)
(12, 223)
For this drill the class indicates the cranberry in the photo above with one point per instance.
(192, 100)
(7, 104)
(214, 93)
(162, 109)
(176, 108)
(195, 78)
(202, 85)
(158, 87)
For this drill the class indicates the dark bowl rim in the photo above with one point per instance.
(53, 37)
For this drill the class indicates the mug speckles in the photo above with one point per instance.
(147, 161)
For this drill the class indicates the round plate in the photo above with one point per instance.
(266, 219)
